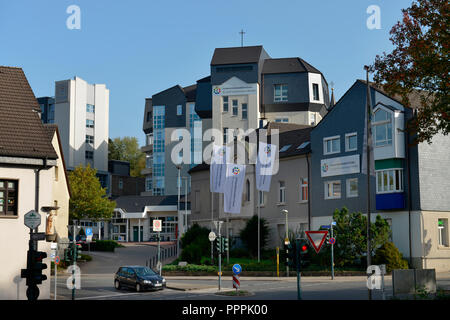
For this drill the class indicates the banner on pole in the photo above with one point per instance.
(264, 165)
(234, 185)
(219, 159)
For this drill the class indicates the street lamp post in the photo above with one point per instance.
(286, 240)
(178, 210)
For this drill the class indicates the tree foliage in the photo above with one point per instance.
(195, 244)
(127, 149)
(389, 255)
(88, 200)
(249, 235)
(351, 236)
(419, 65)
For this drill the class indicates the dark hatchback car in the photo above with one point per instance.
(139, 278)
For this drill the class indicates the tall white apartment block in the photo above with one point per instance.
(82, 116)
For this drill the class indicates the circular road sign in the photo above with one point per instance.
(212, 236)
(237, 269)
(57, 260)
(332, 241)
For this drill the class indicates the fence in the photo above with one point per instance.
(166, 253)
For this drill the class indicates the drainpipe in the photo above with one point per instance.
(408, 163)
(309, 198)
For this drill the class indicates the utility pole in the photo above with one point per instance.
(332, 251)
(286, 240)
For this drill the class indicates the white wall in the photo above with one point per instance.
(14, 235)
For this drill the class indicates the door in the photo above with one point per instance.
(142, 233)
(135, 234)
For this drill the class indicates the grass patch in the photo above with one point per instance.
(235, 293)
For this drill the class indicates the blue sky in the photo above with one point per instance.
(138, 48)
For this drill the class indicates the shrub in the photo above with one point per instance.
(195, 244)
(239, 253)
(101, 245)
(389, 255)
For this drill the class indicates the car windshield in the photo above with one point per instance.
(144, 271)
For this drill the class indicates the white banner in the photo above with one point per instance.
(339, 166)
(234, 185)
(264, 165)
(218, 168)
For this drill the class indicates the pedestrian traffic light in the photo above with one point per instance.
(225, 245)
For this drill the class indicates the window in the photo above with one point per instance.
(120, 184)
(8, 197)
(89, 139)
(235, 107)
(260, 198)
(281, 120)
(285, 148)
(303, 189)
(312, 119)
(303, 145)
(333, 190)
(443, 232)
(281, 92)
(89, 155)
(389, 181)
(234, 69)
(225, 132)
(197, 200)
(352, 188)
(56, 173)
(331, 145)
(282, 192)
(149, 116)
(179, 110)
(148, 184)
(351, 141)
(89, 123)
(90, 108)
(225, 104)
(244, 111)
(316, 92)
(382, 127)
(247, 189)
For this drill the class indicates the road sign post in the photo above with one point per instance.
(278, 262)
(332, 241)
(237, 269)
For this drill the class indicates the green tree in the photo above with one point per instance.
(88, 200)
(127, 149)
(351, 236)
(249, 235)
(389, 255)
(418, 67)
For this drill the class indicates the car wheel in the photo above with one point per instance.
(138, 287)
(117, 285)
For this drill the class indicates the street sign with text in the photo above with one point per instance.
(32, 219)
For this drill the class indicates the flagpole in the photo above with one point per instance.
(368, 110)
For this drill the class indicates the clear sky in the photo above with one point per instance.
(138, 48)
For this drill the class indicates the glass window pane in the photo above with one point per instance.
(385, 181)
(391, 180)
(336, 145)
(2, 184)
(380, 181)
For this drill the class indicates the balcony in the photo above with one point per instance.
(147, 148)
(390, 201)
(146, 171)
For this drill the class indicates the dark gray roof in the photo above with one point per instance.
(190, 92)
(287, 65)
(138, 203)
(236, 55)
(22, 133)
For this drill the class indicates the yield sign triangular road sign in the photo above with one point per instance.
(317, 238)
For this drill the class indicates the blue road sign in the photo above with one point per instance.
(237, 269)
(325, 227)
(89, 231)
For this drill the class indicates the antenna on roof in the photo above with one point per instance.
(242, 37)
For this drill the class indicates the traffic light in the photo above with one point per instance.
(38, 266)
(289, 255)
(77, 253)
(225, 244)
(303, 252)
(219, 245)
